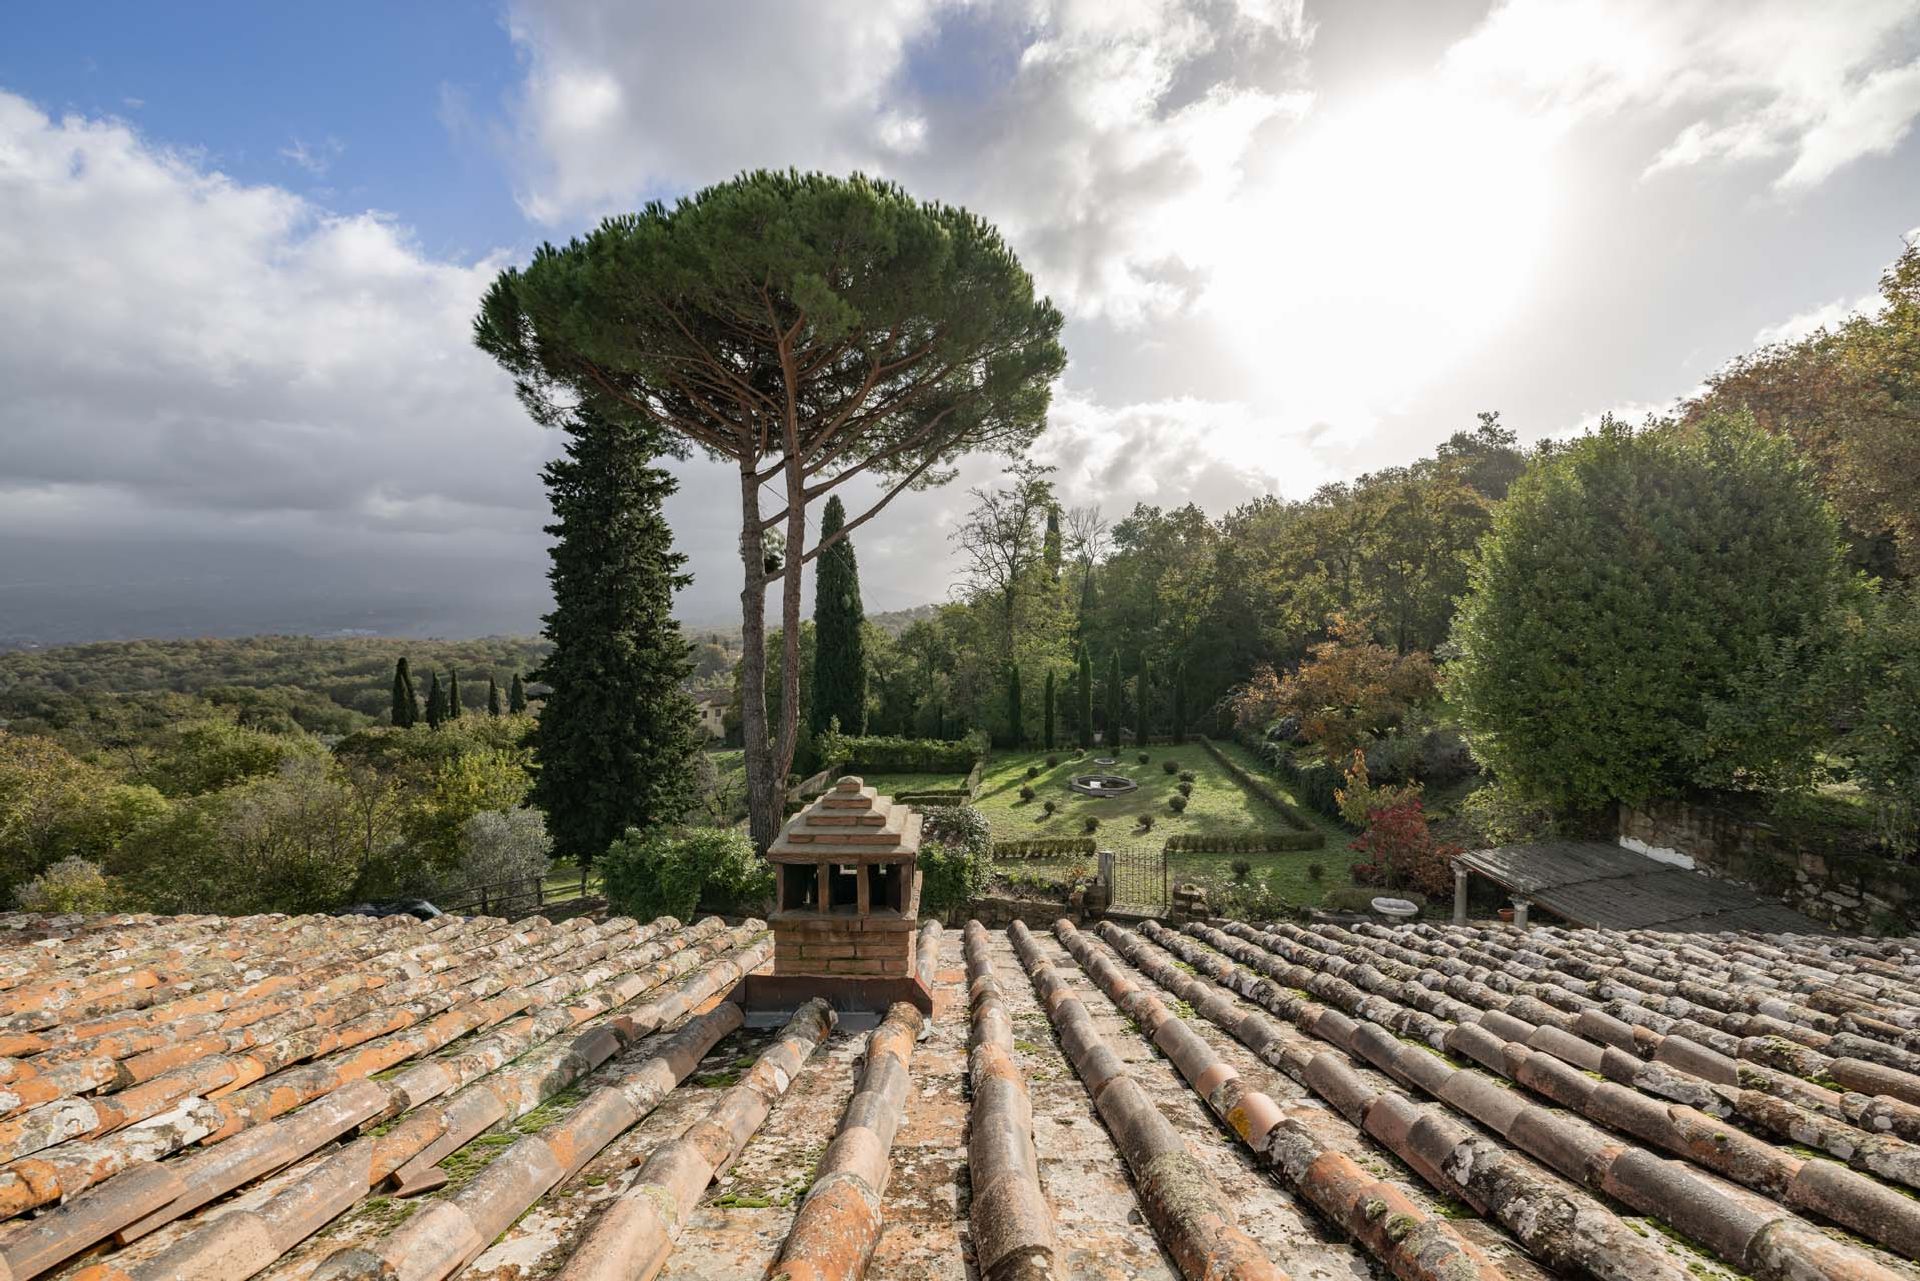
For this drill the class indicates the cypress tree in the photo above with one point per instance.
(453, 694)
(1016, 726)
(493, 696)
(517, 695)
(1142, 717)
(617, 736)
(1114, 693)
(1086, 699)
(406, 709)
(1180, 703)
(1048, 726)
(840, 659)
(436, 703)
(1050, 548)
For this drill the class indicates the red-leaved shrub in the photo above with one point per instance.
(1401, 851)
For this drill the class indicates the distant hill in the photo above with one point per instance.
(324, 683)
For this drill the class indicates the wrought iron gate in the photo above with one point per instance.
(1138, 878)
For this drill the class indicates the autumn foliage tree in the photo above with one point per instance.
(1849, 399)
(807, 330)
(1349, 690)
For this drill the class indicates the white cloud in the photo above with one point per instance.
(181, 341)
(316, 159)
(1074, 124)
(1815, 85)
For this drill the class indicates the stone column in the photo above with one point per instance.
(1520, 907)
(1460, 875)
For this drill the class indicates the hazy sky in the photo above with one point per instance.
(240, 252)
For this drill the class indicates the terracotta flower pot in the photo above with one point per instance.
(1506, 914)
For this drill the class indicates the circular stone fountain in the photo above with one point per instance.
(1102, 785)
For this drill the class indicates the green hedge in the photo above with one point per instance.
(1046, 847)
(1287, 810)
(1315, 783)
(1244, 842)
(883, 755)
(933, 798)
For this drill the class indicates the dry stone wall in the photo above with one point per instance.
(1849, 890)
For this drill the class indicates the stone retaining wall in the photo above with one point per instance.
(1847, 889)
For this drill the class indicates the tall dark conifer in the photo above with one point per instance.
(1142, 696)
(1180, 703)
(617, 735)
(406, 708)
(517, 695)
(1086, 699)
(840, 658)
(453, 695)
(1050, 547)
(1016, 719)
(493, 696)
(436, 703)
(1048, 720)
(1115, 696)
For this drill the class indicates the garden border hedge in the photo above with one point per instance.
(1260, 788)
(1243, 842)
(1045, 847)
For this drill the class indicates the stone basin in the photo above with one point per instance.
(1103, 785)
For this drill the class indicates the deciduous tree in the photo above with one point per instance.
(1628, 582)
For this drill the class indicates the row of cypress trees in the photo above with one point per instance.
(1116, 691)
(443, 703)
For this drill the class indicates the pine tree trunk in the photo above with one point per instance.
(764, 786)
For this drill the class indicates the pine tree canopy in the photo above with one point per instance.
(616, 738)
(808, 329)
(840, 656)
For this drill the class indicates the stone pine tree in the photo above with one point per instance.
(406, 708)
(493, 696)
(517, 695)
(1114, 699)
(807, 330)
(1086, 699)
(453, 694)
(617, 735)
(839, 652)
(1047, 714)
(1016, 723)
(436, 703)
(1180, 703)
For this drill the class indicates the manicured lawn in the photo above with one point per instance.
(1218, 804)
(563, 880)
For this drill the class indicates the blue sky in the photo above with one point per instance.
(367, 89)
(1294, 242)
